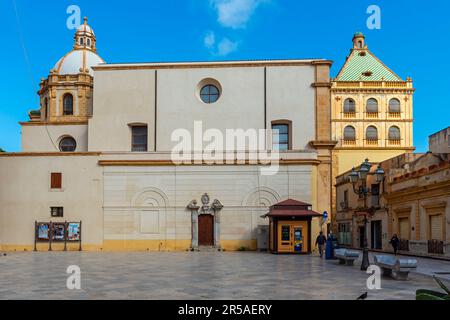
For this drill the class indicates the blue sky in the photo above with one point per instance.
(413, 41)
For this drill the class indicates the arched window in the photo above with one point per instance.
(394, 133)
(68, 104)
(349, 105)
(349, 133)
(372, 106)
(67, 144)
(371, 133)
(394, 105)
(89, 42)
(81, 41)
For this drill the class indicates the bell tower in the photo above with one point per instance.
(85, 37)
(359, 41)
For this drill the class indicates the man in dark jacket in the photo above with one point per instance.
(395, 241)
(321, 241)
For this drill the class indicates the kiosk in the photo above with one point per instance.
(290, 226)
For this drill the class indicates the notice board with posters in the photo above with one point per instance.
(59, 232)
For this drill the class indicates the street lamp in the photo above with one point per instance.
(363, 191)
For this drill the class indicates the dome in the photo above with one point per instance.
(84, 54)
(85, 28)
(75, 60)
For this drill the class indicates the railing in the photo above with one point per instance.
(394, 142)
(139, 148)
(373, 84)
(403, 245)
(394, 114)
(349, 142)
(371, 142)
(349, 114)
(371, 115)
(436, 246)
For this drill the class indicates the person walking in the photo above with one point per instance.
(394, 243)
(320, 242)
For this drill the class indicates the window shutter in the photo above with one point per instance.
(56, 180)
(436, 227)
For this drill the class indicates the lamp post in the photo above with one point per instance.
(363, 191)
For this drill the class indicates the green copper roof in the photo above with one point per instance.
(362, 65)
(35, 112)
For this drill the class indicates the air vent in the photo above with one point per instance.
(367, 73)
(362, 54)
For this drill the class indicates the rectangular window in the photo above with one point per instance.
(345, 204)
(285, 233)
(57, 211)
(344, 234)
(139, 138)
(280, 142)
(56, 180)
(375, 195)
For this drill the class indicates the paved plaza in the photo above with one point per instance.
(197, 275)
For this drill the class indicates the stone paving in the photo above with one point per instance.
(192, 275)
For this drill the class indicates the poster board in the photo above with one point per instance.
(60, 232)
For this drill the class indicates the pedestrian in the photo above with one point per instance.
(394, 243)
(320, 241)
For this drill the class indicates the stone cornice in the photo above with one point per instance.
(373, 90)
(377, 120)
(330, 144)
(321, 85)
(416, 193)
(213, 64)
(362, 149)
(47, 154)
(171, 163)
(53, 123)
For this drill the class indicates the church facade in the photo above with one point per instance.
(100, 151)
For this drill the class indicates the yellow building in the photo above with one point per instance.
(372, 111)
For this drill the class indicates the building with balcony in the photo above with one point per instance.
(413, 201)
(371, 111)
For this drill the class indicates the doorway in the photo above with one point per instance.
(376, 234)
(362, 231)
(205, 230)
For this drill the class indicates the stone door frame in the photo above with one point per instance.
(213, 210)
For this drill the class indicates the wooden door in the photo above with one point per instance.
(403, 228)
(205, 230)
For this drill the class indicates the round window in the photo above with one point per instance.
(67, 144)
(209, 93)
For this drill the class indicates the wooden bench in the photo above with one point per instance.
(396, 268)
(346, 256)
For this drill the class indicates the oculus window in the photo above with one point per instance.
(67, 144)
(209, 93)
